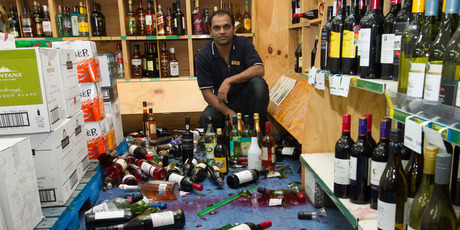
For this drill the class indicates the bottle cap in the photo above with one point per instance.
(362, 126)
(220, 181)
(301, 196)
(160, 206)
(395, 135)
(266, 224)
(136, 197)
(198, 187)
(442, 173)
(148, 157)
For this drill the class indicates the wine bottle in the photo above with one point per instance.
(163, 156)
(350, 36)
(128, 178)
(188, 166)
(298, 59)
(324, 39)
(151, 169)
(392, 188)
(235, 148)
(156, 189)
(153, 221)
(401, 23)
(293, 11)
(187, 142)
(117, 168)
(106, 158)
(102, 219)
(254, 153)
(279, 193)
(215, 175)
(245, 140)
(388, 41)
(342, 160)
(426, 188)
(405, 152)
(226, 133)
(199, 171)
(180, 20)
(336, 39)
(413, 172)
(139, 152)
(455, 178)
(360, 155)
(369, 130)
(141, 206)
(185, 183)
(248, 225)
(221, 153)
(210, 141)
(370, 37)
(299, 192)
(116, 204)
(438, 49)
(136, 171)
(310, 15)
(197, 19)
(334, 14)
(419, 57)
(313, 52)
(243, 178)
(268, 149)
(439, 213)
(379, 160)
(260, 136)
(408, 40)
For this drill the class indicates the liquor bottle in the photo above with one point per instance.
(14, 22)
(268, 149)
(197, 19)
(150, 61)
(74, 21)
(235, 147)
(102, 18)
(152, 125)
(248, 225)
(144, 59)
(392, 188)
(221, 153)
(26, 23)
(128, 178)
(38, 21)
(350, 36)
(136, 171)
(370, 37)
(246, 135)
(360, 155)
(131, 21)
(426, 188)
(179, 20)
(145, 116)
(160, 220)
(379, 160)
(187, 142)
(206, 21)
(149, 19)
(243, 178)
(210, 141)
(185, 182)
(238, 20)
(226, 133)
(199, 171)
(369, 130)
(215, 175)
(119, 62)
(310, 15)
(164, 59)
(455, 177)
(101, 219)
(335, 53)
(117, 168)
(298, 59)
(169, 22)
(313, 52)
(136, 63)
(438, 49)
(401, 23)
(46, 22)
(419, 56)
(439, 213)
(246, 19)
(95, 25)
(173, 64)
(151, 169)
(189, 165)
(342, 159)
(449, 81)
(408, 41)
(254, 153)
(83, 29)
(388, 41)
(140, 19)
(68, 22)
(173, 16)
(325, 39)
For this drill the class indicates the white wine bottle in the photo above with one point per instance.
(426, 187)
(439, 213)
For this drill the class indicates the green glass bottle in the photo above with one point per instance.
(435, 60)
(421, 52)
(83, 28)
(245, 140)
(408, 41)
(210, 142)
(235, 148)
(60, 22)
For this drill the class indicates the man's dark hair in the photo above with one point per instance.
(221, 12)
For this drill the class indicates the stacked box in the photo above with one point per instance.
(31, 96)
(69, 78)
(80, 145)
(7, 41)
(2, 222)
(111, 141)
(108, 75)
(19, 202)
(92, 103)
(96, 137)
(113, 108)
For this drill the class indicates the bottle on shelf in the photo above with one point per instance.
(388, 41)
(144, 59)
(95, 19)
(151, 169)
(14, 22)
(293, 11)
(421, 52)
(369, 130)
(179, 20)
(26, 23)
(38, 21)
(235, 147)
(131, 21)
(408, 41)
(342, 159)
(335, 53)
(216, 175)
(325, 39)
(402, 20)
(169, 23)
(185, 182)
(209, 141)
(140, 19)
(164, 60)
(379, 160)
(117, 168)
(248, 225)
(247, 19)
(455, 177)
(100, 220)
(74, 21)
(197, 19)
(173, 15)
(119, 65)
(173, 64)
(187, 142)
(310, 15)
(68, 23)
(238, 20)
(152, 125)
(136, 63)
(405, 151)
(254, 153)
(360, 155)
(150, 19)
(313, 51)
(83, 28)
(152, 71)
(102, 20)
(243, 178)
(206, 21)
(439, 212)
(161, 24)
(221, 152)
(298, 59)
(199, 171)
(350, 36)
(413, 173)
(160, 220)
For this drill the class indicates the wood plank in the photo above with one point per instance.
(133, 122)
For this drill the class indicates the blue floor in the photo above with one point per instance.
(254, 209)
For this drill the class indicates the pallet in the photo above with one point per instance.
(67, 217)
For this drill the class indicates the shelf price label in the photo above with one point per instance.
(344, 85)
(413, 133)
(434, 137)
(320, 80)
(312, 76)
(334, 84)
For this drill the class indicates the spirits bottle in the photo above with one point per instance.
(68, 23)
(156, 189)
(152, 125)
(83, 29)
(149, 19)
(179, 20)
(119, 62)
(136, 63)
(38, 21)
(238, 20)
(226, 133)
(161, 24)
(247, 19)
(144, 59)
(151, 62)
(221, 153)
(131, 21)
(74, 21)
(164, 59)
(206, 21)
(26, 23)
(95, 25)
(140, 19)
(169, 22)
(173, 64)
(197, 19)
(46, 22)
(14, 22)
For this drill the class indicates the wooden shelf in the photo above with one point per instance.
(307, 23)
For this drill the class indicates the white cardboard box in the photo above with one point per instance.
(114, 109)
(7, 41)
(2, 222)
(69, 78)
(19, 198)
(96, 138)
(31, 99)
(107, 66)
(80, 147)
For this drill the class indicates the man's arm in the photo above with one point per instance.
(253, 71)
(214, 102)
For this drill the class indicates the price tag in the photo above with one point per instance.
(312, 76)
(275, 202)
(413, 134)
(434, 137)
(334, 84)
(344, 86)
(320, 81)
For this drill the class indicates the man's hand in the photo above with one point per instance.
(223, 90)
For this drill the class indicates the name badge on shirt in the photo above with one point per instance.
(235, 63)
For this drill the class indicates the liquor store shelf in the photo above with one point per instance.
(307, 23)
(67, 216)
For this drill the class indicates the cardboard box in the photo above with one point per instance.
(109, 93)
(86, 57)
(113, 108)
(314, 192)
(2, 222)
(7, 41)
(31, 99)
(96, 138)
(69, 78)
(92, 102)
(108, 73)
(19, 202)
(111, 141)
(80, 146)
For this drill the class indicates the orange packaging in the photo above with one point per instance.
(92, 102)
(96, 138)
(110, 131)
(86, 57)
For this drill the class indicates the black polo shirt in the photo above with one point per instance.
(212, 69)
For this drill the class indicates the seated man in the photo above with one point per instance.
(230, 72)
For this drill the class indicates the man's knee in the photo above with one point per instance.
(258, 86)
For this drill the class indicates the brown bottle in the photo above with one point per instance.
(169, 23)
(238, 20)
(149, 19)
(140, 16)
(197, 19)
(164, 60)
(247, 19)
(27, 24)
(136, 63)
(151, 125)
(37, 18)
(160, 22)
(131, 21)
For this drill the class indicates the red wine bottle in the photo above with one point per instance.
(336, 39)
(117, 168)
(128, 178)
(350, 36)
(185, 183)
(136, 171)
(248, 225)
(158, 220)
(312, 14)
(379, 160)
(187, 142)
(342, 160)
(152, 169)
(106, 158)
(324, 39)
(139, 152)
(243, 178)
(388, 41)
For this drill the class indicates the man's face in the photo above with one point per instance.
(222, 29)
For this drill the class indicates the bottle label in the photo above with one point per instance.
(148, 20)
(245, 176)
(132, 28)
(273, 155)
(386, 215)
(221, 163)
(100, 208)
(109, 215)
(136, 62)
(216, 168)
(150, 66)
(241, 227)
(245, 143)
(364, 46)
(175, 177)
(144, 64)
(288, 151)
(377, 169)
(202, 165)
(122, 163)
(457, 99)
(162, 219)
(47, 26)
(174, 69)
(342, 171)
(407, 207)
(348, 46)
(404, 163)
(119, 58)
(416, 80)
(127, 177)
(132, 148)
(83, 27)
(148, 169)
(264, 153)
(432, 82)
(162, 190)
(447, 92)
(388, 45)
(152, 128)
(247, 24)
(353, 168)
(209, 147)
(335, 45)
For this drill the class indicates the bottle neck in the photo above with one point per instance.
(257, 125)
(220, 139)
(394, 153)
